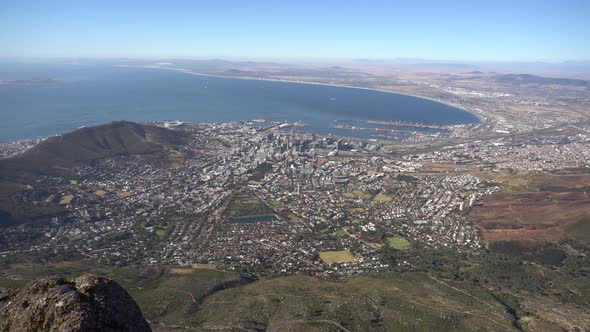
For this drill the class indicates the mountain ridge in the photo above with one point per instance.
(58, 156)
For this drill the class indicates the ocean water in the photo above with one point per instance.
(95, 94)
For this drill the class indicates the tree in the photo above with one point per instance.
(387, 255)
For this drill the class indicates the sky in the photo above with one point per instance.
(474, 30)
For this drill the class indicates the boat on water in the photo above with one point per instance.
(170, 124)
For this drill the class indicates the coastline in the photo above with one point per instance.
(479, 117)
(187, 71)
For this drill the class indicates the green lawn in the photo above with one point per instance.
(162, 231)
(398, 242)
(340, 256)
(355, 210)
(360, 193)
(382, 198)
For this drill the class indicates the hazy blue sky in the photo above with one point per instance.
(455, 30)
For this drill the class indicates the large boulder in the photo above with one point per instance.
(89, 303)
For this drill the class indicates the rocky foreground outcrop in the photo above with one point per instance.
(88, 303)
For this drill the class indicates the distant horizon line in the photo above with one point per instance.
(398, 60)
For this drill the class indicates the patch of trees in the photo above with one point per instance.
(373, 192)
(506, 272)
(387, 255)
(488, 269)
(512, 305)
(5, 218)
(377, 235)
(260, 171)
(577, 265)
(547, 255)
(407, 178)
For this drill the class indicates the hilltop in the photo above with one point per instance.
(58, 156)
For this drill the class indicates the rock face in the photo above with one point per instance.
(89, 303)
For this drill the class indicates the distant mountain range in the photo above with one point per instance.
(565, 69)
(532, 79)
(525, 79)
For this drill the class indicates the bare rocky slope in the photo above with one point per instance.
(88, 303)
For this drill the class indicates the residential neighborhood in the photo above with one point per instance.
(267, 198)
